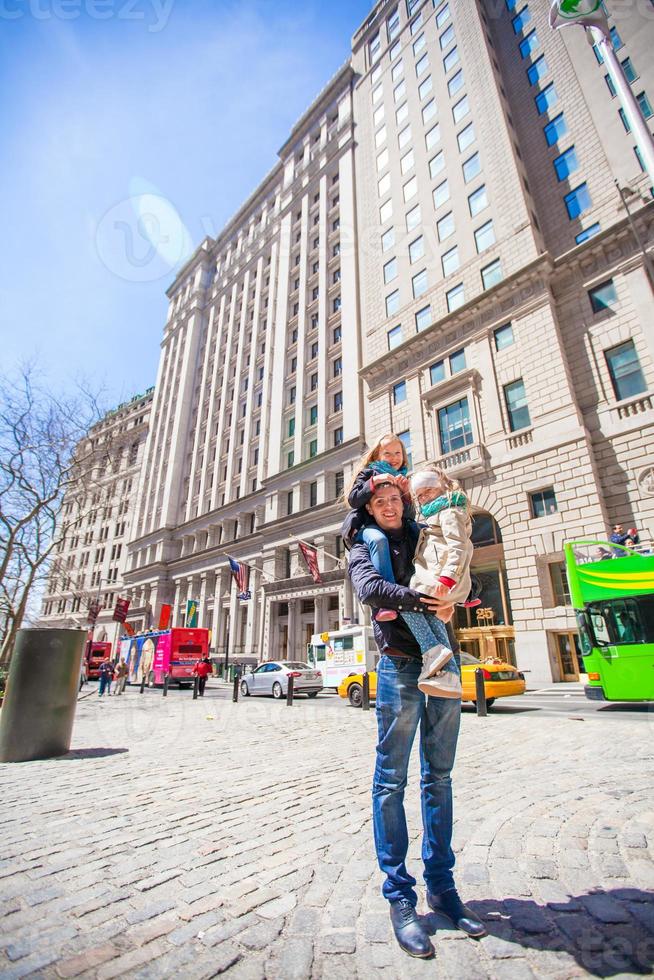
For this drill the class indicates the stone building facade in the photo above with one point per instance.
(90, 563)
(441, 251)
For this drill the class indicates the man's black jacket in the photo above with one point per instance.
(373, 590)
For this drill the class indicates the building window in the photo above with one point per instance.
(289, 502)
(543, 502)
(443, 15)
(313, 415)
(555, 129)
(485, 236)
(429, 111)
(454, 426)
(425, 88)
(388, 239)
(629, 70)
(578, 201)
(404, 137)
(536, 71)
(528, 44)
(338, 367)
(457, 361)
(405, 437)
(423, 318)
(645, 105)
(339, 483)
(406, 163)
(445, 226)
(336, 305)
(603, 297)
(466, 137)
(455, 83)
(559, 583)
(338, 401)
(441, 194)
(520, 20)
(338, 436)
(393, 302)
(418, 44)
(394, 337)
(437, 372)
(419, 283)
(313, 494)
(503, 337)
(292, 394)
(566, 163)
(450, 60)
(313, 448)
(433, 136)
(455, 297)
(517, 409)
(478, 200)
(587, 233)
(399, 393)
(616, 40)
(386, 212)
(416, 249)
(413, 218)
(336, 335)
(461, 109)
(436, 164)
(546, 98)
(491, 274)
(422, 65)
(390, 270)
(446, 37)
(291, 427)
(314, 350)
(625, 371)
(314, 381)
(450, 261)
(399, 91)
(471, 167)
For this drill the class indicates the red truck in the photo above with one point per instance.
(95, 654)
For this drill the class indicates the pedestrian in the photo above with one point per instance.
(202, 669)
(120, 675)
(106, 672)
(618, 537)
(387, 462)
(401, 709)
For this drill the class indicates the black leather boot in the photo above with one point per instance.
(409, 930)
(450, 905)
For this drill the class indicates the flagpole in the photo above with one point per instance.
(327, 554)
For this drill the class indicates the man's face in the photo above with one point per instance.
(386, 507)
(618, 528)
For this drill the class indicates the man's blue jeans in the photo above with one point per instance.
(401, 708)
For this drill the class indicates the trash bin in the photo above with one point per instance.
(36, 721)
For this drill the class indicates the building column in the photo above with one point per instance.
(320, 624)
(254, 613)
(203, 617)
(345, 605)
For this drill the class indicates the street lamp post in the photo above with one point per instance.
(590, 15)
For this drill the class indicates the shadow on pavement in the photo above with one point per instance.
(98, 753)
(502, 709)
(633, 706)
(607, 932)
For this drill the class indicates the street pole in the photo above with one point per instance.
(628, 101)
(591, 15)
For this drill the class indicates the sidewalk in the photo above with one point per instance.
(188, 838)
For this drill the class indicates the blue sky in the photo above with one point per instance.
(181, 99)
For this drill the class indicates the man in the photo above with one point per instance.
(618, 537)
(202, 669)
(120, 676)
(106, 672)
(401, 708)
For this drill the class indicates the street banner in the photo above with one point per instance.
(191, 620)
(310, 555)
(129, 629)
(241, 575)
(587, 13)
(94, 612)
(120, 610)
(164, 616)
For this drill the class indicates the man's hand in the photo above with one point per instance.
(435, 606)
(440, 590)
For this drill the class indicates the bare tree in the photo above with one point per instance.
(44, 456)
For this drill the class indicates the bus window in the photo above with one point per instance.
(189, 648)
(584, 634)
(319, 654)
(600, 627)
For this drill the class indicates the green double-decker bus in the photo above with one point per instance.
(612, 592)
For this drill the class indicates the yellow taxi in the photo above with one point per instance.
(501, 680)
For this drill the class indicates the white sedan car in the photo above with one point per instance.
(272, 678)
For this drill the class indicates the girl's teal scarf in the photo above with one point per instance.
(381, 466)
(442, 503)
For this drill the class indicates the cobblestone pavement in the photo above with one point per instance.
(187, 839)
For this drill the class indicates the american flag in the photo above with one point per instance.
(241, 575)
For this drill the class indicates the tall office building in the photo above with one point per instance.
(89, 564)
(441, 251)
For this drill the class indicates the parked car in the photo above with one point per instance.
(501, 680)
(272, 678)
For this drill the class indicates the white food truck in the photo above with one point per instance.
(341, 653)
